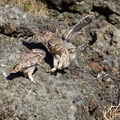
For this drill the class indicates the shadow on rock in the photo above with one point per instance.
(31, 45)
(12, 76)
(49, 57)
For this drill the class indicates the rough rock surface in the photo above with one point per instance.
(71, 10)
(79, 93)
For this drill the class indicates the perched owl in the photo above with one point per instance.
(60, 52)
(28, 62)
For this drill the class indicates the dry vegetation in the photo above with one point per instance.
(33, 6)
(113, 113)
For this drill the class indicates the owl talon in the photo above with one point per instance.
(52, 70)
(33, 81)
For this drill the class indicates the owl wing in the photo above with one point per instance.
(28, 60)
(82, 23)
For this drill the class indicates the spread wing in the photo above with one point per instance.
(82, 23)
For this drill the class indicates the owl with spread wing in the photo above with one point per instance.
(62, 50)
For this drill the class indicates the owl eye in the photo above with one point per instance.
(57, 46)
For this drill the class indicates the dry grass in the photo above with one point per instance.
(32, 6)
(113, 113)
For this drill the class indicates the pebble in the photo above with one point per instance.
(95, 67)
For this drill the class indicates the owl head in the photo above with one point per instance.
(55, 44)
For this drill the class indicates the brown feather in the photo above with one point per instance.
(29, 59)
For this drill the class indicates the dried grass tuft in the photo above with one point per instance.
(113, 113)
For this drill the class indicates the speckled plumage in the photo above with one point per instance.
(63, 51)
(28, 62)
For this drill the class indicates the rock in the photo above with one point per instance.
(74, 94)
(115, 20)
(23, 117)
(109, 9)
(96, 68)
(94, 108)
(98, 114)
(107, 68)
(107, 6)
(70, 5)
(83, 6)
(54, 4)
(9, 28)
(92, 105)
(51, 28)
(60, 4)
(13, 20)
(60, 17)
(82, 113)
(107, 38)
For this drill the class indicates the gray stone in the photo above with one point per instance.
(115, 20)
(74, 95)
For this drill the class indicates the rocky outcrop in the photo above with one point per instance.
(70, 5)
(71, 10)
(15, 22)
(83, 92)
(60, 4)
(110, 9)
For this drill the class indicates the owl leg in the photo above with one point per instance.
(52, 70)
(76, 62)
(55, 66)
(28, 73)
(60, 65)
(31, 77)
(61, 60)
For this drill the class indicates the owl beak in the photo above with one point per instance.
(49, 45)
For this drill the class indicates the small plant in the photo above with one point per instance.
(31, 6)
